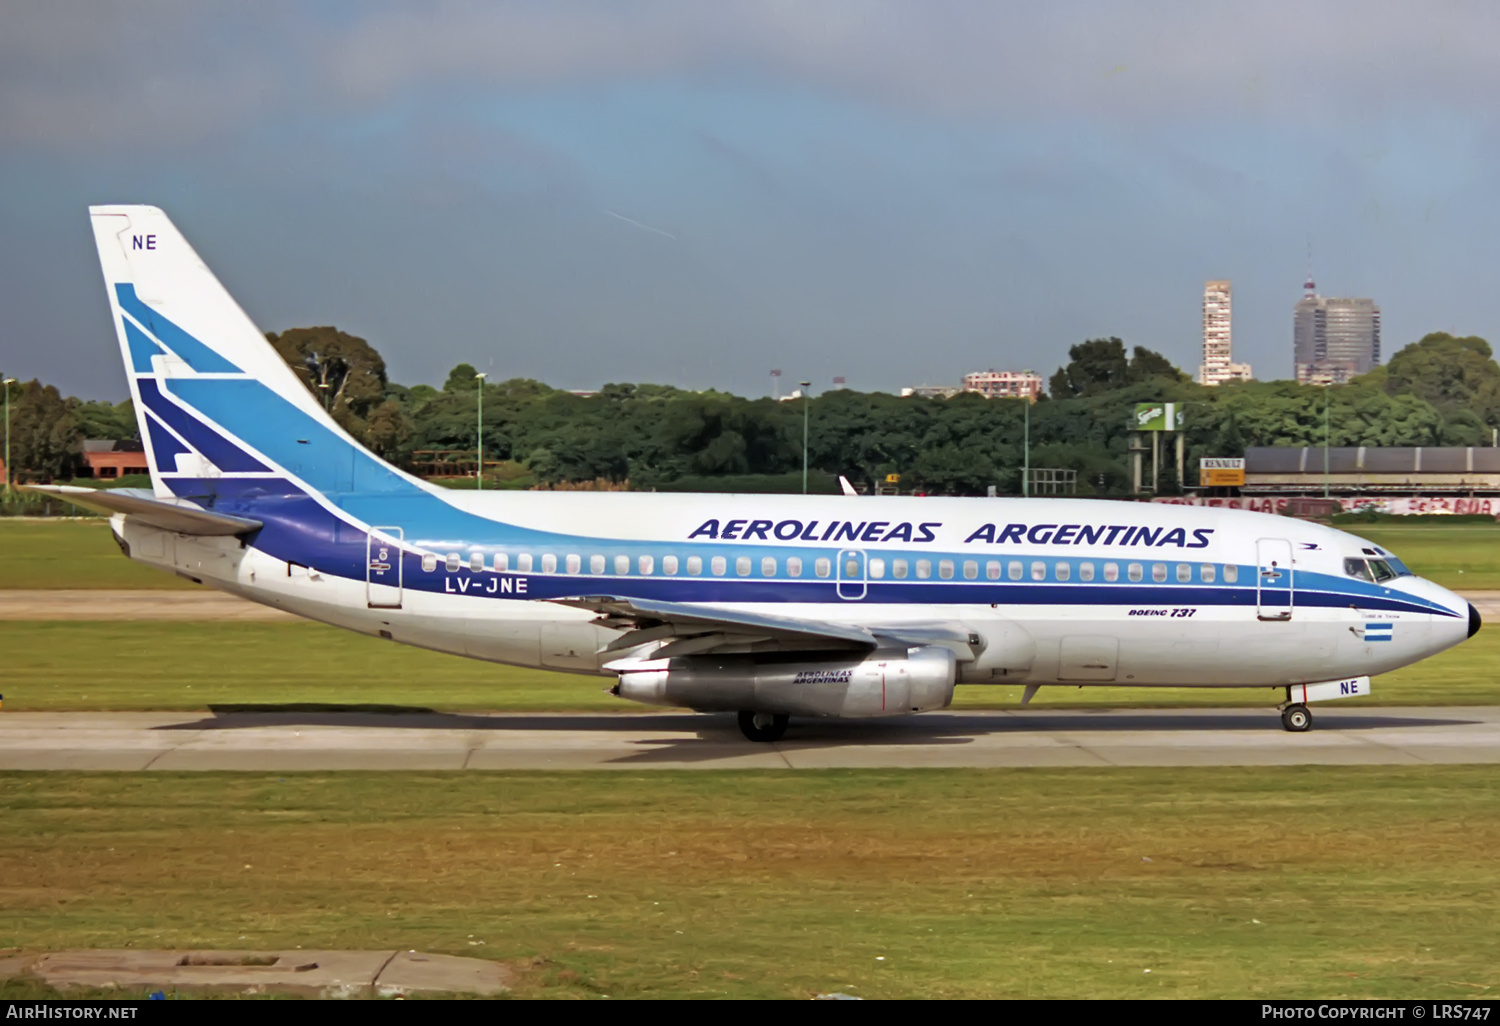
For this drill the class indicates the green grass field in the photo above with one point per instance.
(1019, 883)
(71, 554)
(165, 665)
(82, 554)
(1465, 558)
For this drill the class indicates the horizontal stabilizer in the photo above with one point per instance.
(176, 515)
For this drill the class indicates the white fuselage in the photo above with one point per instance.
(1074, 592)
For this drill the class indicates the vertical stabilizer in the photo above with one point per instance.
(216, 403)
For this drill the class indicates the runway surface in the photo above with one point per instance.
(281, 741)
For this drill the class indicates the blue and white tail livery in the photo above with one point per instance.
(768, 606)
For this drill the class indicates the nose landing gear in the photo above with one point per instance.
(1296, 718)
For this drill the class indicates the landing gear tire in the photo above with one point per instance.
(1296, 719)
(759, 726)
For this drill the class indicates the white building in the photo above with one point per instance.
(932, 391)
(1218, 359)
(993, 384)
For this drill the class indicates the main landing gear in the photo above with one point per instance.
(1296, 718)
(759, 726)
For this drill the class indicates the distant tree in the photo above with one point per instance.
(343, 371)
(1146, 364)
(388, 429)
(1100, 365)
(108, 420)
(461, 378)
(46, 437)
(1450, 372)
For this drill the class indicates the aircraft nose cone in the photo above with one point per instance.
(1474, 621)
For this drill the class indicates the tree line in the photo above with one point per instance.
(1441, 390)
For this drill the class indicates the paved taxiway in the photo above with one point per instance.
(280, 741)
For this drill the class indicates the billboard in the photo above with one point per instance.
(1219, 472)
(1159, 416)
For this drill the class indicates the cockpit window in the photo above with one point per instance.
(1399, 567)
(1357, 568)
(1382, 570)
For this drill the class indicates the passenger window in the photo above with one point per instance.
(476, 561)
(992, 569)
(452, 562)
(1158, 572)
(644, 565)
(898, 569)
(1206, 573)
(523, 562)
(823, 568)
(742, 566)
(1063, 572)
(1135, 572)
(945, 569)
(877, 568)
(549, 563)
(1038, 571)
(502, 562)
(695, 565)
(717, 565)
(971, 569)
(794, 566)
(596, 564)
(669, 565)
(768, 566)
(1085, 571)
(622, 565)
(574, 563)
(1231, 573)
(1184, 573)
(851, 569)
(1013, 570)
(1111, 572)
(924, 569)
(429, 563)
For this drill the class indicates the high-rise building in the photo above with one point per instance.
(1334, 340)
(1218, 359)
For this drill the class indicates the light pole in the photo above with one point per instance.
(8, 382)
(1326, 439)
(805, 386)
(479, 447)
(1026, 451)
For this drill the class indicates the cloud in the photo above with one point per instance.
(76, 72)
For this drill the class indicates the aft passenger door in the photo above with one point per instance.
(1273, 584)
(852, 567)
(383, 567)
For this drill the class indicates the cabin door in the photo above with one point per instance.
(1273, 585)
(383, 566)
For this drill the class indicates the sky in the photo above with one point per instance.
(891, 191)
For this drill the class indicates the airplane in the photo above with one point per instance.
(766, 606)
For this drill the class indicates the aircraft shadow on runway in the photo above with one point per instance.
(715, 735)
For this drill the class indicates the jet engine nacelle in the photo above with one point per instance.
(883, 683)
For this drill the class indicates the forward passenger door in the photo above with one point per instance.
(1273, 584)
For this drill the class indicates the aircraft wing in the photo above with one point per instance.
(690, 628)
(177, 515)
